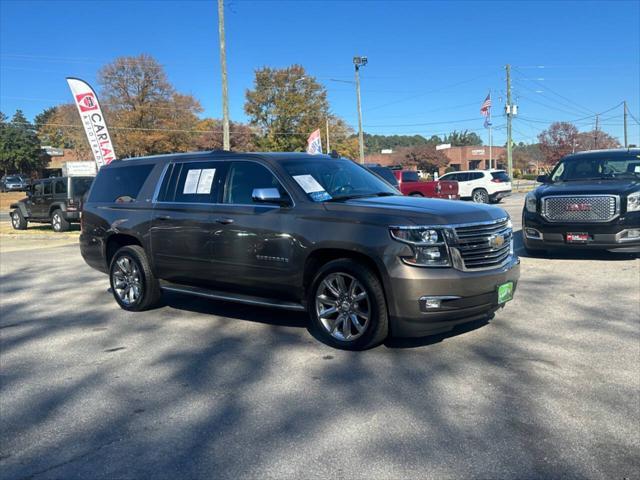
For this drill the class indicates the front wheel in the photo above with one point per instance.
(18, 222)
(480, 195)
(133, 284)
(347, 306)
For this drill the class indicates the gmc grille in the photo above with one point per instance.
(580, 208)
(483, 246)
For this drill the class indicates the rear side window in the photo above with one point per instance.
(80, 185)
(410, 177)
(120, 185)
(60, 186)
(462, 177)
(195, 182)
(48, 188)
(386, 174)
(502, 176)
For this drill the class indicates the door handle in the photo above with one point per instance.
(163, 217)
(224, 221)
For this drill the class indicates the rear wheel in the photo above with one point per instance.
(58, 222)
(347, 306)
(480, 195)
(18, 222)
(416, 194)
(134, 286)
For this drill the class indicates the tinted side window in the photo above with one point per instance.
(38, 189)
(120, 185)
(462, 177)
(244, 177)
(476, 175)
(502, 176)
(195, 182)
(60, 186)
(452, 177)
(47, 188)
(410, 177)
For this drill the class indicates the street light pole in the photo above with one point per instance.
(359, 62)
(226, 143)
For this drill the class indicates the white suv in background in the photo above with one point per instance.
(481, 186)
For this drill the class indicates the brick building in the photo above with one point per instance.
(460, 158)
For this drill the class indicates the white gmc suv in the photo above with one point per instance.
(481, 186)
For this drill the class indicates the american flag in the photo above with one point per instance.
(486, 105)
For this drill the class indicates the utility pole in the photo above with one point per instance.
(359, 62)
(328, 143)
(226, 143)
(626, 144)
(595, 134)
(509, 111)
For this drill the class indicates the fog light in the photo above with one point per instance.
(533, 233)
(630, 234)
(430, 302)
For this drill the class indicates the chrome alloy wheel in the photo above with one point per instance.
(126, 280)
(343, 307)
(15, 220)
(56, 222)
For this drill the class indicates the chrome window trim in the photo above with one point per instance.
(450, 225)
(543, 207)
(182, 161)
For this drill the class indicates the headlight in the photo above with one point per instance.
(427, 244)
(530, 202)
(633, 202)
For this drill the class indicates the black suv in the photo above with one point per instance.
(590, 200)
(52, 200)
(297, 232)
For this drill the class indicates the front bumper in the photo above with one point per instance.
(72, 216)
(472, 295)
(602, 236)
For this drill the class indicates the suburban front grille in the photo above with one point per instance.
(580, 208)
(483, 246)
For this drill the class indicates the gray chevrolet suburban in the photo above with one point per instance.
(318, 233)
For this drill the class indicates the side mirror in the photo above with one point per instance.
(268, 195)
(542, 179)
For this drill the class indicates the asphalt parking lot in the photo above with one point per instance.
(548, 388)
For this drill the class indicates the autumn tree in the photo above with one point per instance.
(558, 140)
(426, 158)
(19, 145)
(462, 138)
(145, 114)
(594, 140)
(61, 127)
(209, 136)
(286, 105)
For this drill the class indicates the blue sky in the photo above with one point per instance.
(430, 63)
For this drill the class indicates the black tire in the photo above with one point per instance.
(377, 327)
(58, 222)
(149, 287)
(18, 222)
(416, 194)
(480, 195)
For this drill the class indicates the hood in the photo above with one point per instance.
(418, 210)
(600, 187)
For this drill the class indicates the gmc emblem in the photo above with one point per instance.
(578, 207)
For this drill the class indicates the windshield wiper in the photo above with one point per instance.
(338, 198)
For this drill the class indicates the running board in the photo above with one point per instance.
(231, 297)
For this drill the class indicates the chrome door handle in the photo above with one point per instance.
(224, 221)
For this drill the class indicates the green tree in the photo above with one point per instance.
(19, 145)
(462, 139)
(286, 105)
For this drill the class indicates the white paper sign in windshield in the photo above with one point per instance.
(206, 180)
(311, 186)
(191, 182)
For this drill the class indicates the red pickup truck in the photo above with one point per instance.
(409, 184)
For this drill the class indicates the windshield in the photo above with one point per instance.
(592, 167)
(14, 179)
(333, 179)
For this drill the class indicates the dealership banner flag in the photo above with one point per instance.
(314, 143)
(93, 121)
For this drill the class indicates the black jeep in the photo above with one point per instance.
(590, 200)
(52, 200)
